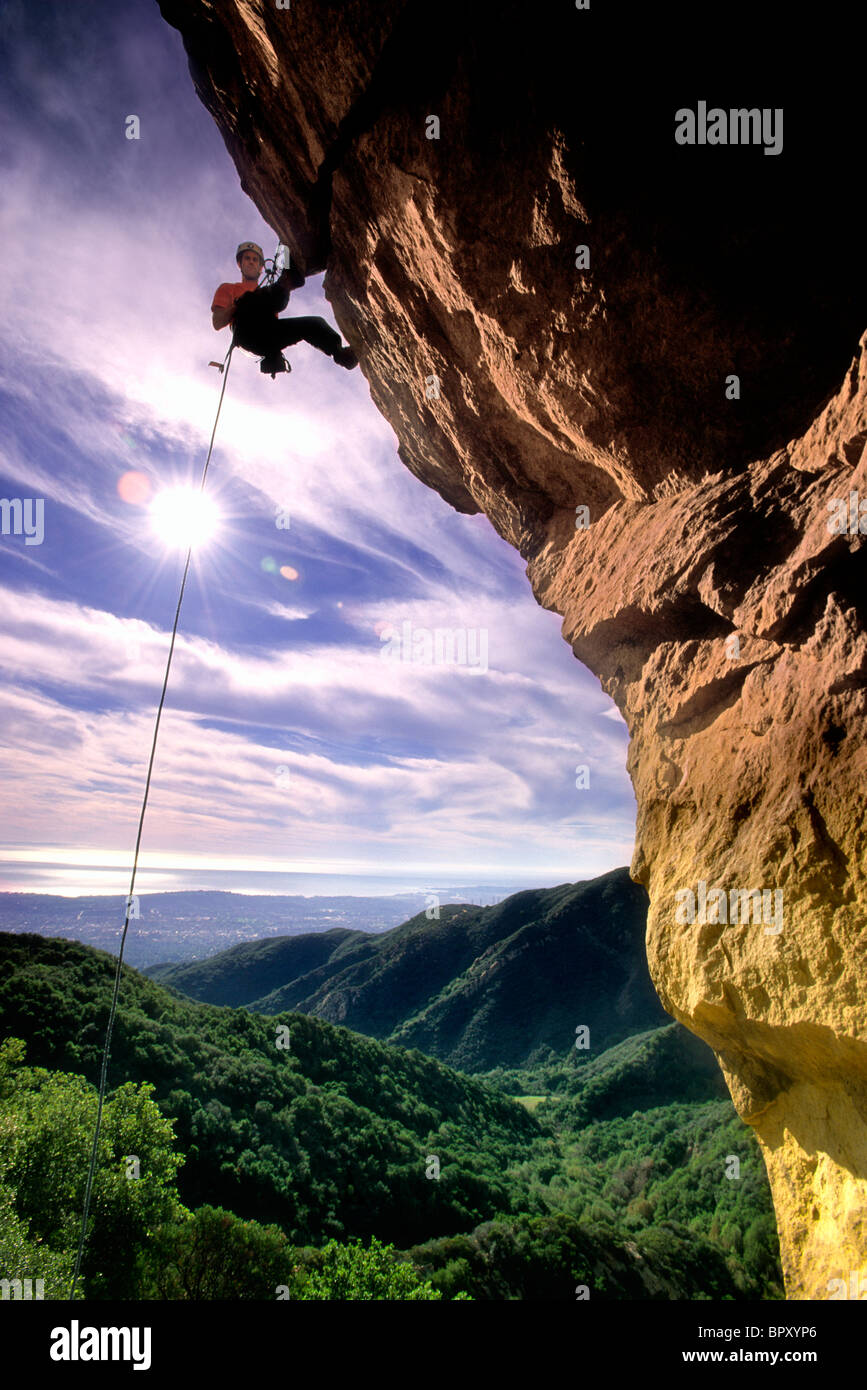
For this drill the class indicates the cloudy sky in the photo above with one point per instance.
(288, 743)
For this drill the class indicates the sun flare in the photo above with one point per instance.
(182, 517)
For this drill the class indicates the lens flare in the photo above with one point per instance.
(183, 517)
(134, 488)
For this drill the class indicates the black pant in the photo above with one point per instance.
(259, 330)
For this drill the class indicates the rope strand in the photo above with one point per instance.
(113, 1010)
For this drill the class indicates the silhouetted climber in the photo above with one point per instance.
(252, 310)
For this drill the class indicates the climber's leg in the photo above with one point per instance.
(262, 337)
(267, 336)
(319, 334)
(309, 329)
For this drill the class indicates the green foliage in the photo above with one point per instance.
(631, 1154)
(665, 1065)
(22, 1257)
(251, 969)
(328, 1139)
(474, 987)
(214, 1255)
(667, 1166)
(550, 1257)
(616, 1181)
(46, 1134)
(351, 1272)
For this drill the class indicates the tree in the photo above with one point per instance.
(24, 1258)
(352, 1272)
(46, 1136)
(213, 1254)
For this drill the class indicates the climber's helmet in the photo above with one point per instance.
(249, 249)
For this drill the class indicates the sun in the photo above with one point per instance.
(183, 517)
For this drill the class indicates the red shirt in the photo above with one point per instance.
(225, 296)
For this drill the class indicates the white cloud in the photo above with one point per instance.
(105, 360)
(218, 787)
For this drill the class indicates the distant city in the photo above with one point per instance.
(186, 926)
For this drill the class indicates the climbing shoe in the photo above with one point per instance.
(345, 357)
(272, 366)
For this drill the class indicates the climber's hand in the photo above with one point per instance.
(247, 304)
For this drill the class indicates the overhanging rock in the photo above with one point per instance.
(695, 379)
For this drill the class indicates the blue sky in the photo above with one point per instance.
(288, 743)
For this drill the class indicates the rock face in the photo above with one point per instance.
(717, 590)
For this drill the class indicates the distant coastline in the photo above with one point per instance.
(191, 924)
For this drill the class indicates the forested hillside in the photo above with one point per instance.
(328, 1136)
(615, 1175)
(477, 987)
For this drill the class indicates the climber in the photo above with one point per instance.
(252, 311)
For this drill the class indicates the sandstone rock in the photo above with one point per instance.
(707, 593)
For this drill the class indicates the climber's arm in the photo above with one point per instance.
(224, 304)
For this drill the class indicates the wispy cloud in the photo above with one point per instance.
(347, 738)
(104, 370)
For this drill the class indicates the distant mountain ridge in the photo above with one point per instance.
(478, 988)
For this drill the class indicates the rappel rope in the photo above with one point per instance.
(224, 369)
